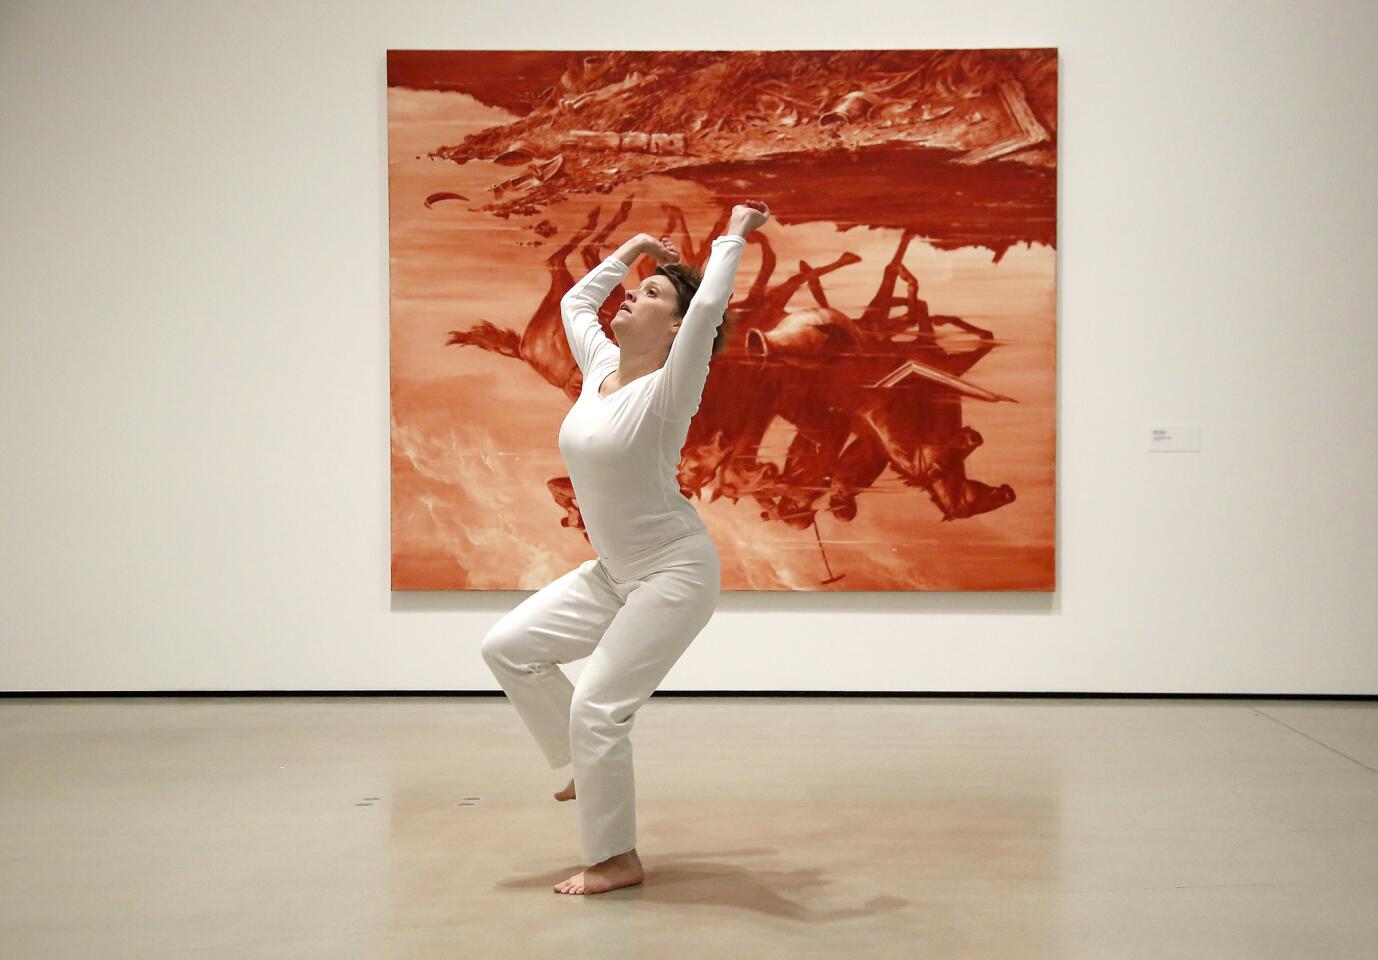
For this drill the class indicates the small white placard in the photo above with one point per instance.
(1163, 439)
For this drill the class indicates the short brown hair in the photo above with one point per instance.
(686, 280)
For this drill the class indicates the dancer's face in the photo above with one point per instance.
(646, 319)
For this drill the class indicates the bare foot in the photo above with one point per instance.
(567, 793)
(623, 870)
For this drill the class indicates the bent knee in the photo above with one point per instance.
(501, 643)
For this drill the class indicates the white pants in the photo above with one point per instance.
(633, 618)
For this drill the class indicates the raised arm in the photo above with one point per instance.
(679, 387)
(579, 311)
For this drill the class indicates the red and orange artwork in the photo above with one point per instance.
(884, 417)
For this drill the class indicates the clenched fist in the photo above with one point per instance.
(662, 250)
(749, 215)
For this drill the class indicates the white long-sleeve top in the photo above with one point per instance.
(623, 450)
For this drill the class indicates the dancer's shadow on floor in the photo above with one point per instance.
(713, 880)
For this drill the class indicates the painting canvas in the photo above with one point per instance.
(884, 415)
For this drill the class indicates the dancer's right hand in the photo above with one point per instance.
(749, 215)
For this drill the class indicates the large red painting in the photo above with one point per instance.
(885, 416)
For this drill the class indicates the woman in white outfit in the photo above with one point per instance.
(634, 608)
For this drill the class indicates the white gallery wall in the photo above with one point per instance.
(195, 361)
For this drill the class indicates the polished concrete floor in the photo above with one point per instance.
(856, 828)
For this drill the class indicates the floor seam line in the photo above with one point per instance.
(1313, 739)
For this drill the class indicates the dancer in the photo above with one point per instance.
(654, 584)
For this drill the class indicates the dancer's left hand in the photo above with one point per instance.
(662, 250)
